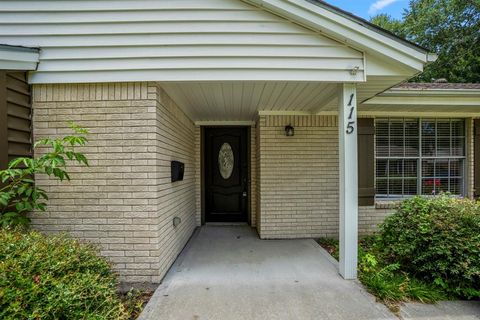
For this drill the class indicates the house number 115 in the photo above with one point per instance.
(351, 123)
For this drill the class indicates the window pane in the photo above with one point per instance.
(456, 168)
(382, 147)
(441, 185)
(443, 128)
(428, 147)
(410, 168)
(411, 127)
(411, 147)
(443, 146)
(396, 127)
(382, 166)
(395, 168)
(458, 128)
(381, 134)
(428, 168)
(456, 186)
(428, 128)
(458, 147)
(428, 186)
(441, 168)
(395, 187)
(382, 186)
(410, 187)
(396, 146)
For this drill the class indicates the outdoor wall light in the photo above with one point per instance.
(289, 131)
(176, 221)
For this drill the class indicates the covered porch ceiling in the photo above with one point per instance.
(242, 100)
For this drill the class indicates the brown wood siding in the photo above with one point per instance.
(366, 162)
(476, 157)
(15, 117)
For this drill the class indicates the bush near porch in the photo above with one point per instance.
(57, 277)
(428, 250)
(52, 276)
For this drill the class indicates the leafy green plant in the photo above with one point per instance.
(436, 240)
(386, 280)
(331, 245)
(446, 27)
(55, 277)
(390, 284)
(18, 192)
(134, 302)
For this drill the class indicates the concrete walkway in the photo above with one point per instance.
(443, 310)
(228, 273)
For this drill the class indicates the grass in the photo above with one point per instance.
(387, 282)
(134, 301)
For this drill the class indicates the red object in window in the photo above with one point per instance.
(432, 182)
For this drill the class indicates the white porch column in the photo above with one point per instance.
(347, 124)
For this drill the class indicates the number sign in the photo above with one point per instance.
(351, 123)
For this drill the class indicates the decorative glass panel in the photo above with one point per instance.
(225, 160)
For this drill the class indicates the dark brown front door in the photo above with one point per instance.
(226, 174)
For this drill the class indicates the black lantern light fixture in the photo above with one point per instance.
(289, 131)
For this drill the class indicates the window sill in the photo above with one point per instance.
(387, 204)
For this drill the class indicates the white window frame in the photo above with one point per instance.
(420, 158)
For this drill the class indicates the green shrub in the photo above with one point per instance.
(18, 193)
(438, 240)
(55, 277)
(388, 283)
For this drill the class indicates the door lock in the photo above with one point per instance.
(244, 193)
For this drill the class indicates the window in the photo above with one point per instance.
(419, 156)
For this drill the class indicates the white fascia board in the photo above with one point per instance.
(17, 65)
(224, 123)
(426, 100)
(417, 114)
(295, 113)
(346, 30)
(18, 58)
(333, 76)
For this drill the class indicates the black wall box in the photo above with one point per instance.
(177, 170)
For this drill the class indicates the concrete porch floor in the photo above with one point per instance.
(227, 272)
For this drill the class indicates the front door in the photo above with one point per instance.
(226, 174)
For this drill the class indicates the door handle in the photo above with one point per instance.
(244, 194)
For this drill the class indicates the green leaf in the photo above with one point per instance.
(19, 206)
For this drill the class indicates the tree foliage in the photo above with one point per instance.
(18, 192)
(450, 28)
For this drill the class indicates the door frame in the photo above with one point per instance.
(202, 168)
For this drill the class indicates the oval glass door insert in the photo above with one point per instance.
(225, 160)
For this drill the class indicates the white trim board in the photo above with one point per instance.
(18, 58)
(225, 123)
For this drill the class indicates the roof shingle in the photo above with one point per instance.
(438, 86)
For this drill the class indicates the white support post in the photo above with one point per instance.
(347, 124)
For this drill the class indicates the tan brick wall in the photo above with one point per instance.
(260, 123)
(198, 175)
(253, 176)
(124, 201)
(175, 141)
(298, 179)
(298, 175)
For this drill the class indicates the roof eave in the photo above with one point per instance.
(18, 58)
(401, 92)
(344, 28)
